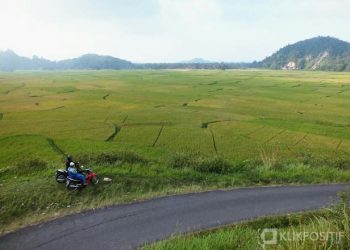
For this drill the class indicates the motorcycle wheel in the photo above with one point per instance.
(70, 187)
(95, 180)
(60, 178)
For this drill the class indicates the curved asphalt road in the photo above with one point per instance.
(131, 225)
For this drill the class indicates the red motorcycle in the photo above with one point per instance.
(74, 184)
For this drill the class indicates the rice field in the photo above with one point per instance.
(165, 132)
(235, 114)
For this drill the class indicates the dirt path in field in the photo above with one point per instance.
(159, 134)
(55, 147)
(206, 124)
(213, 140)
(274, 136)
(125, 119)
(60, 107)
(300, 140)
(15, 88)
(116, 131)
(105, 97)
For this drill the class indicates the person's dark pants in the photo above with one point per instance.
(78, 176)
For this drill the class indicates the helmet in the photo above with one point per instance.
(71, 164)
(69, 158)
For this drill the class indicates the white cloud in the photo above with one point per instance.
(167, 30)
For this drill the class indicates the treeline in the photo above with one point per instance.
(221, 65)
(10, 61)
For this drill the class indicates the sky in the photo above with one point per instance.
(167, 30)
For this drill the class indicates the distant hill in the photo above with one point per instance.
(197, 60)
(319, 53)
(93, 61)
(10, 61)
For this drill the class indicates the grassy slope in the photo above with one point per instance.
(278, 127)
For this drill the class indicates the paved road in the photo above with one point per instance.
(131, 225)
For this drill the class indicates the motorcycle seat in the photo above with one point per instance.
(72, 179)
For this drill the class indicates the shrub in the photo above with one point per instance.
(214, 164)
(113, 158)
(29, 166)
(307, 158)
(181, 160)
(270, 158)
(342, 164)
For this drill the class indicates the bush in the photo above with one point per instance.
(112, 158)
(30, 166)
(181, 160)
(341, 164)
(270, 158)
(214, 164)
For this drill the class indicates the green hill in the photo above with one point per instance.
(10, 61)
(319, 53)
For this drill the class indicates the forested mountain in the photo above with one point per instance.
(10, 61)
(197, 60)
(93, 61)
(319, 53)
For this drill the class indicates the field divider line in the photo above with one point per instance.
(105, 96)
(126, 118)
(206, 124)
(300, 140)
(159, 133)
(116, 131)
(214, 142)
(60, 107)
(15, 88)
(81, 129)
(339, 144)
(345, 152)
(254, 131)
(244, 136)
(273, 137)
(290, 149)
(55, 147)
(2, 138)
(147, 124)
(215, 90)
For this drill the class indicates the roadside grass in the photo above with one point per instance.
(325, 229)
(29, 193)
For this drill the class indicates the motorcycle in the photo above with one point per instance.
(73, 184)
(61, 176)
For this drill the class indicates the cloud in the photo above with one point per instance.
(167, 30)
